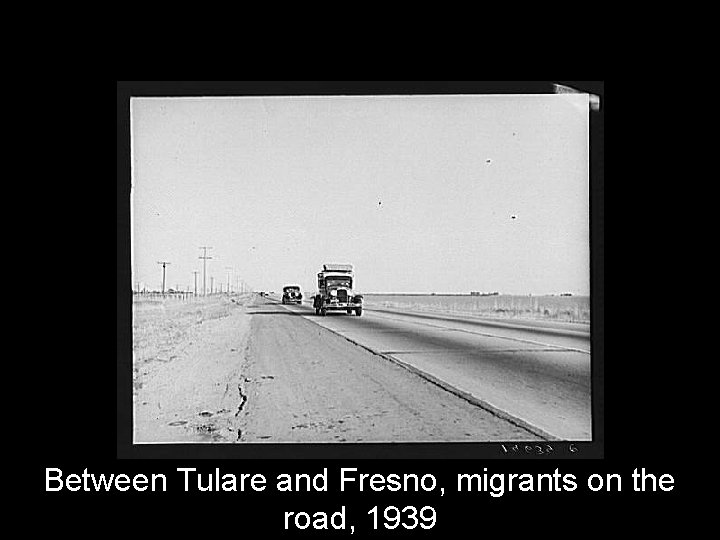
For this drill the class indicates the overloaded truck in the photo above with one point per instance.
(335, 290)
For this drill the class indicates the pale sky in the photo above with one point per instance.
(417, 192)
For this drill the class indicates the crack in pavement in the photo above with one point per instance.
(243, 401)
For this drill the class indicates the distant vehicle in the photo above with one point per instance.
(335, 290)
(291, 294)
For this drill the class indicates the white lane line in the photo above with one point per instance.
(472, 319)
(485, 334)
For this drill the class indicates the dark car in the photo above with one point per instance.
(291, 295)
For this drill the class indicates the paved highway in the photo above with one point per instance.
(302, 382)
(533, 374)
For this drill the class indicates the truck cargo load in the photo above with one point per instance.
(337, 267)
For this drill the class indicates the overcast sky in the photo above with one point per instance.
(420, 194)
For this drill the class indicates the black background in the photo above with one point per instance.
(645, 417)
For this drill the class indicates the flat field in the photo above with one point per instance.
(559, 308)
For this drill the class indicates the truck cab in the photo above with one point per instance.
(335, 290)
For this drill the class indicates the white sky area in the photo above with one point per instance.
(417, 192)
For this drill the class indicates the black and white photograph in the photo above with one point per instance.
(339, 269)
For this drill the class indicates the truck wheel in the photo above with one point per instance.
(349, 311)
(358, 311)
(323, 311)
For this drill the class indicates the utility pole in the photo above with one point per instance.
(204, 257)
(228, 278)
(163, 282)
(195, 273)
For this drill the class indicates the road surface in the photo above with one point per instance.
(253, 370)
(305, 383)
(534, 372)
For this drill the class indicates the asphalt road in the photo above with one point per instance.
(302, 382)
(533, 374)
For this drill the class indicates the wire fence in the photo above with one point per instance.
(180, 296)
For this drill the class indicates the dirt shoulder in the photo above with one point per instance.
(188, 361)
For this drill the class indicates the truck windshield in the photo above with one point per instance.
(338, 282)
